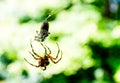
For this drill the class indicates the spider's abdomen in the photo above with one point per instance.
(44, 62)
(47, 63)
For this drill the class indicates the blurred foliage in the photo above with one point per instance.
(5, 59)
(57, 36)
(43, 14)
(106, 59)
(95, 59)
(25, 19)
(25, 73)
(40, 17)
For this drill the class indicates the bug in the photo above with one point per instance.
(43, 33)
(44, 61)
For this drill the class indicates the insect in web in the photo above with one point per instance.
(44, 30)
(43, 33)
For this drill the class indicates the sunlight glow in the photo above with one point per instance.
(116, 32)
(117, 76)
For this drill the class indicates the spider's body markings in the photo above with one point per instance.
(44, 61)
(43, 33)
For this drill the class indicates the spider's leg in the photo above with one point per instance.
(52, 59)
(57, 52)
(32, 64)
(60, 57)
(44, 48)
(48, 49)
(34, 56)
(33, 50)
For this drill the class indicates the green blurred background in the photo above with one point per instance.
(88, 33)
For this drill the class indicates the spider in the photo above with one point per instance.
(43, 33)
(44, 61)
